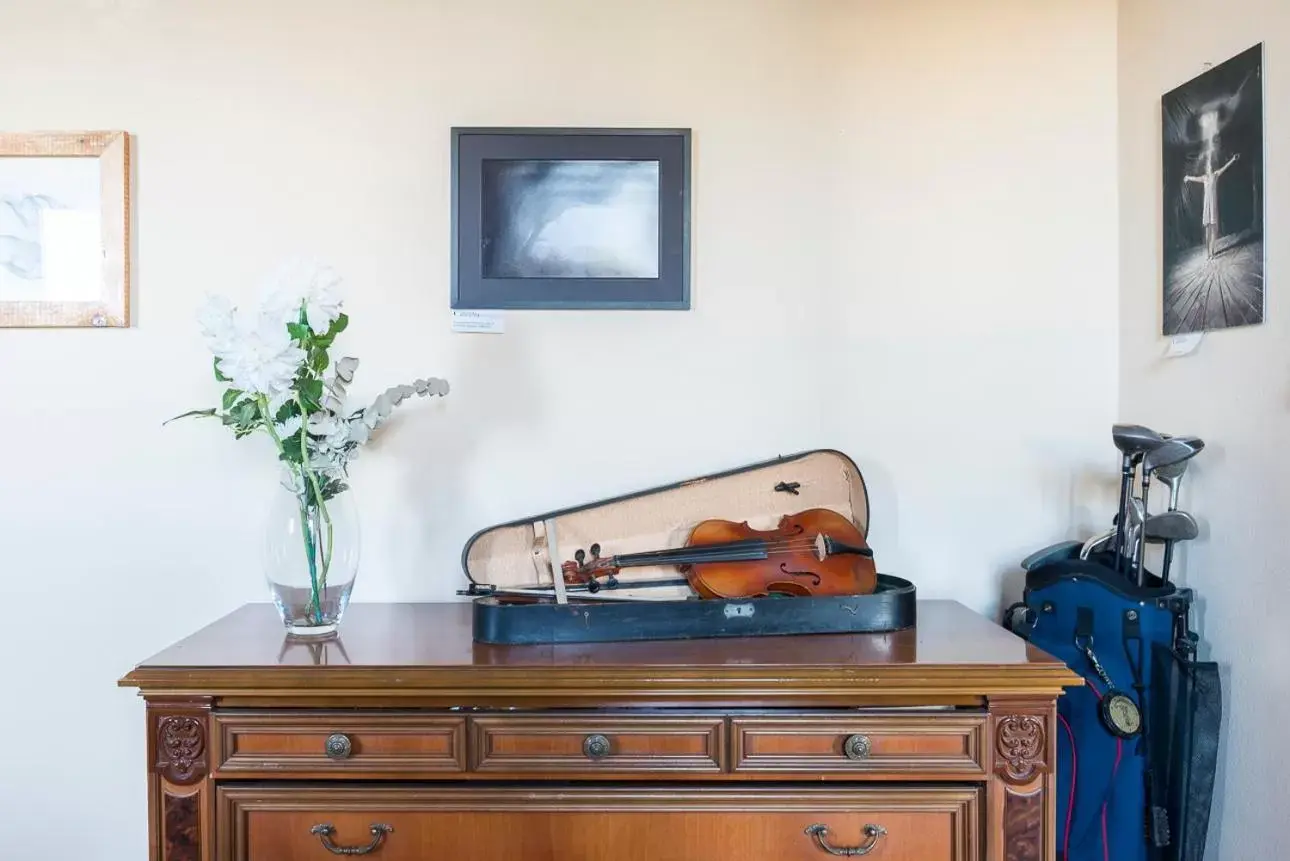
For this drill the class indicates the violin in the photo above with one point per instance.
(813, 552)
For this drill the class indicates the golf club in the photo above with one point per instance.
(1170, 453)
(1133, 441)
(1170, 526)
(1172, 476)
(1097, 543)
(1133, 532)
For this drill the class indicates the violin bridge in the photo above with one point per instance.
(821, 546)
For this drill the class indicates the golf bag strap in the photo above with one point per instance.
(1083, 624)
(1083, 637)
(1157, 817)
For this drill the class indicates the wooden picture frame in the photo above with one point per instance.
(65, 229)
(572, 218)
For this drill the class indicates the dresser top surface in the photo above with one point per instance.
(420, 648)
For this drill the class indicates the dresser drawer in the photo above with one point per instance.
(532, 823)
(337, 744)
(605, 744)
(899, 746)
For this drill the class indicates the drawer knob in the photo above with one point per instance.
(873, 832)
(339, 746)
(325, 831)
(595, 747)
(857, 747)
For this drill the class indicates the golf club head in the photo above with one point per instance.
(1135, 440)
(1096, 543)
(1172, 471)
(1171, 453)
(1171, 526)
(1136, 513)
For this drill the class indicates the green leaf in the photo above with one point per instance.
(338, 325)
(190, 414)
(311, 393)
(246, 414)
(230, 398)
(291, 449)
(298, 331)
(286, 411)
(219, 376)
(318, 360)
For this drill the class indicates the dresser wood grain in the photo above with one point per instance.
(592, 824)
(401, 739)
(886, 746)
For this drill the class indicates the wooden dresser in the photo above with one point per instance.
(404, 740)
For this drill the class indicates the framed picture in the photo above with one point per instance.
(1212, 143)
(570, 218)
(65, 229)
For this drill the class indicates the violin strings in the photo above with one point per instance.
(778, 545)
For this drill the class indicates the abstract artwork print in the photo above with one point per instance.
(570, 219)
(1212, 129)
(51, 234)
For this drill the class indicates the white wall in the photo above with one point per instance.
(1232, 392)
(976, 269)
(879, 266)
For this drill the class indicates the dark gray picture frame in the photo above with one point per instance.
(477, 286)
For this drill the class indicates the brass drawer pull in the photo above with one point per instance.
(857, 747)
(339, 746)
(595, 747)
(325, 831)
(873, 832)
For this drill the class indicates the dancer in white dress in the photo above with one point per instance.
(1209, 210)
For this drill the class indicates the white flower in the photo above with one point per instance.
(313, 286)
(254, 351)
(215, 318)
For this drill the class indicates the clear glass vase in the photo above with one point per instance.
(311, 552)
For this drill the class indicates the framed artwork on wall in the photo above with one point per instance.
(570, 218)
(65, 229)
(1213, 180)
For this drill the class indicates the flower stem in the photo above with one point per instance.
(306, 521)
(313, 480)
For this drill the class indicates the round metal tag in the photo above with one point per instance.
(1120, 714)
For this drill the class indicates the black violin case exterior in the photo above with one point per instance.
(502, 561)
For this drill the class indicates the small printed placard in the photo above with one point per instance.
(485, 322)
(1182, 345)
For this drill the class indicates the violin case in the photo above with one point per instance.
(529, 552)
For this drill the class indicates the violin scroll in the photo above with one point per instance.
(581, 571)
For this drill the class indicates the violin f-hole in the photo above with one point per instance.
(815, 578)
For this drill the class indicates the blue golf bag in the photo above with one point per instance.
(1132, 784)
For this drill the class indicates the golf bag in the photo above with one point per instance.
(1128, 788)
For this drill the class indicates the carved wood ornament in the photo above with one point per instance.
(181, 748)
(1020, 742)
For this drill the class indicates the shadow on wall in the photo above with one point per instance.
(439, 471)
